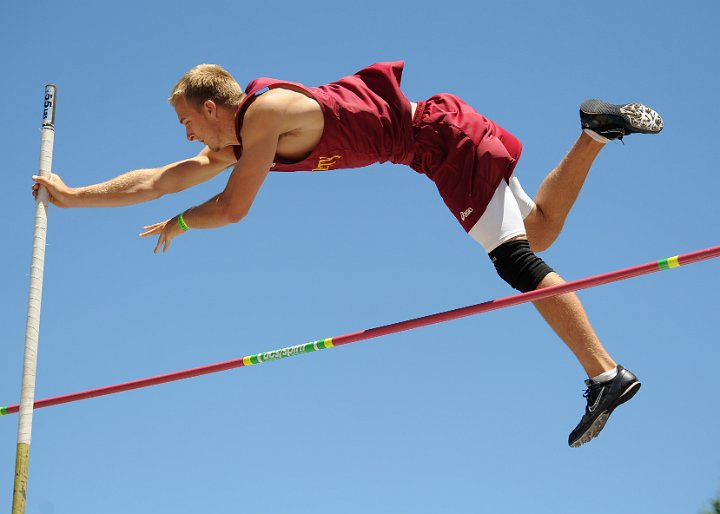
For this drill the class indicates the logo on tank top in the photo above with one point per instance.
(466, 213)
(326, 163)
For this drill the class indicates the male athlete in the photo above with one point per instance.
(363, 119)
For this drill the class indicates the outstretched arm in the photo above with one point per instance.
(140, 185)
(261, 131)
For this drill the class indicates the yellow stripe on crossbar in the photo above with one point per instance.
(328, 343)
(247, 361)
(673, 262)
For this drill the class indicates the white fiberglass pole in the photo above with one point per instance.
(32, 330)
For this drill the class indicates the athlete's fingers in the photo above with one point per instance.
(151, 230)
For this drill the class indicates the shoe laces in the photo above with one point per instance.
(592, 391)
(615, 134)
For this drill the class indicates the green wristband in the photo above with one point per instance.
(182, 223)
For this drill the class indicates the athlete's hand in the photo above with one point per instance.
(60, 194)
(166, 230)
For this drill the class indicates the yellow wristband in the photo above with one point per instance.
(182, 223)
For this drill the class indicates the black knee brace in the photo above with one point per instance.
(518, 265)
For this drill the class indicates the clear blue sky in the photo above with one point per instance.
(464, 417)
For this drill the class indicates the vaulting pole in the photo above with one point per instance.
(321, 344)
(32, 328)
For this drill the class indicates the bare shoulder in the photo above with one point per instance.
(224, 156)
(285, 108)
(286, 99)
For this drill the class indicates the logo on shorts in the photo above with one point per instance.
(326, 163)
(466, 213)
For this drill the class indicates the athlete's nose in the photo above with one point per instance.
(190, 136)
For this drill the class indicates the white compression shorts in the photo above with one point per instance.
(504, 215)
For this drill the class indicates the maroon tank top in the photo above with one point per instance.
(367, 120)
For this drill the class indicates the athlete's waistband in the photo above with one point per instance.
(419, 110)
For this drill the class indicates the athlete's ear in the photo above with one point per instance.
(209, 107)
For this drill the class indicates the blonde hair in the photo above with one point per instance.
(207, 82)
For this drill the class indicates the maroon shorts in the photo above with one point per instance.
(465, 154)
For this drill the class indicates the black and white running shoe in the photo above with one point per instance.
(616, 121)
(602, 399)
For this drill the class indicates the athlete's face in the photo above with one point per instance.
(200, 125)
